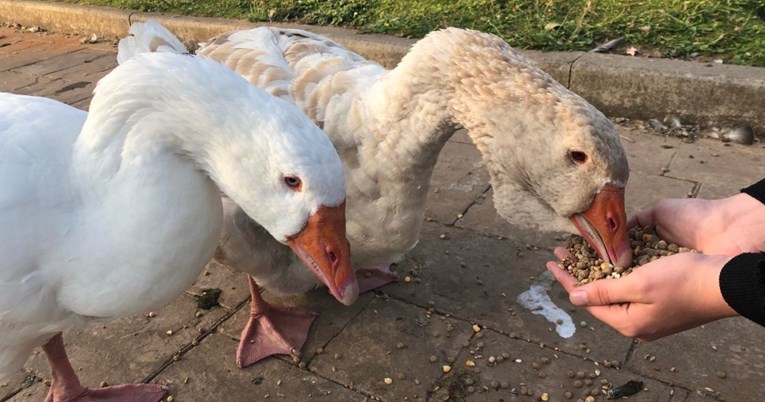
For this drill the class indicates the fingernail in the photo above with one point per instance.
(579, 298)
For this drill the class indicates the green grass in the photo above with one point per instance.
(732, 30)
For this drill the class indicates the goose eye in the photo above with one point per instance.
(293, 182)
(577, 157)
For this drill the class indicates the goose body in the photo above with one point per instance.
(116, 212)
(555, 162)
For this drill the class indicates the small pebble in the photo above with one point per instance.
(388, 380)
(476, 328)
(447, 368)
(469, 363)
(589, 399)
(492, 359)
(151, 314)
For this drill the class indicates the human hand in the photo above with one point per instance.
(728, 226)
(666, 296)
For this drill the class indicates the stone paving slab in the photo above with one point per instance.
(207, 374)
(395, 340)
(506, 367)
(458, 179)
(431, 315)
(724, 359)
(478, 281)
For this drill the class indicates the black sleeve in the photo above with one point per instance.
(757, 191)
(742, 283)
(742, 279)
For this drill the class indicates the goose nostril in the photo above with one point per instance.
(332, 257)
(612, 224)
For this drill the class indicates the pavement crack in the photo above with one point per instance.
(347, 323)
(185, 349)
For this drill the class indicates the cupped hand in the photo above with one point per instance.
(663, 297)
(729, 226)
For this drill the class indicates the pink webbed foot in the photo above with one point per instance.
(66, 387)
(272, 330)
(116, 393)
(373, 278)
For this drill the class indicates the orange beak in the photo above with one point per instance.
(604, 226)
(323, 248)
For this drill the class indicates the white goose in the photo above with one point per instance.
(555, 161)
(116, 212)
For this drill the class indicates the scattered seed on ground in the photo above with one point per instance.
(388, 380)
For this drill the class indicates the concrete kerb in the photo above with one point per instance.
(701, 93)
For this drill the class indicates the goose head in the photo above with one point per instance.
(555, 161)
(300, 197)
(564, 169)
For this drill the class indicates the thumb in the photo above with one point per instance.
(602, 293)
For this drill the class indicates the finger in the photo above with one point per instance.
(606, 292)
(562, 276)
(643, 218)
(562, 253)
